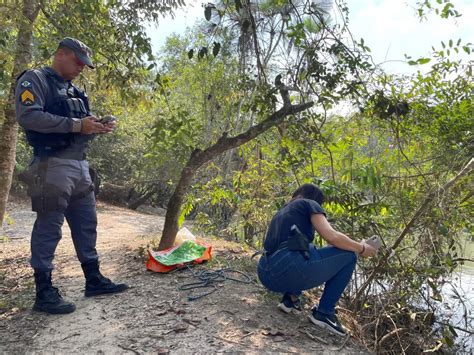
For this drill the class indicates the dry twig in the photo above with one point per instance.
(314, 337)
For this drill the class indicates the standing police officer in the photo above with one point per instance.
(59, 126)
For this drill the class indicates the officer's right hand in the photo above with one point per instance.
(91, 126)
(369, 251)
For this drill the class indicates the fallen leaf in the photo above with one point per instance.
(180, 327)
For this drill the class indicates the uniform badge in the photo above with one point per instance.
(27, 98)
(26, 84)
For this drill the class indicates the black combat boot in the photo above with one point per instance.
(48, 298)
(96, 283)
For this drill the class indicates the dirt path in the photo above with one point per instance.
(153, 316)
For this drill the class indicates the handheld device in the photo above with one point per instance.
(107, 119)
(375, 242)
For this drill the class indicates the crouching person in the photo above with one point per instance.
(291, 263)
(58, 124)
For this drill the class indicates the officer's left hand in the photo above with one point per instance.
(89, 125)
(110, 127)
(107, 127)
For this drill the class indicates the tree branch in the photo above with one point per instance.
(261, 70)
(225, 143)
(468, 168)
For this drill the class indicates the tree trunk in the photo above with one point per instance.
(200, 157)
(9, 129)
(142, 199)
(174, 207)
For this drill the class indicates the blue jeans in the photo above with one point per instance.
(288, 271)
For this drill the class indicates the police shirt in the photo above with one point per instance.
(31, 91)
(297, 212)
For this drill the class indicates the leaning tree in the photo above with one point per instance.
(292, 57)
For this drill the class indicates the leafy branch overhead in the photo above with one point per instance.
(296, 45)
(116, 31)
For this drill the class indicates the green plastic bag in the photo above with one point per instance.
(184, 253)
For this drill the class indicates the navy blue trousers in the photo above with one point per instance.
(82, 219)
(288, 271)
(71, 178)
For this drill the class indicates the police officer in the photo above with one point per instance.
(59, 125)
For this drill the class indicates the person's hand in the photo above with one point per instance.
(91, 126)
(369, 251)
(110, 126)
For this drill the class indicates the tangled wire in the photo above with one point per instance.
(210, 279)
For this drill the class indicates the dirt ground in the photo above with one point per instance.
(153, 316)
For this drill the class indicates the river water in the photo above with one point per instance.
(458, 300)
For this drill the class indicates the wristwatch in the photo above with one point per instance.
(76, 125)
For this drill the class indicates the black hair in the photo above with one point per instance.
(311, 192)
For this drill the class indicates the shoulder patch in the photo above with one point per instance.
(27, 98)
(26, 84)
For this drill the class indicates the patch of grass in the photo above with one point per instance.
(151, 244)
(15, 293)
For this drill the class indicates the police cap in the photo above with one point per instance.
(83, 53)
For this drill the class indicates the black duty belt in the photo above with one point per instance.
(67, 155)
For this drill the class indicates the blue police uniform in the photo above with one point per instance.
(50, 110)
(66, 189)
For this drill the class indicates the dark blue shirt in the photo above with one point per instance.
(31, 114)
(297, 212)
(33, 104)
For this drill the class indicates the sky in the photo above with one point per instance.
(389, 27)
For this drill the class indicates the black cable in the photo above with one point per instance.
(209, 279)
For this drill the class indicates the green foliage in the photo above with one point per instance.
(443, 8)
(120, 157)
(376, 166)
(8, 30)
(114, 30)
(193, 95)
